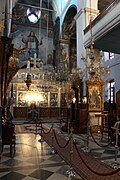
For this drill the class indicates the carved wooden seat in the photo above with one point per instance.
(8, 136)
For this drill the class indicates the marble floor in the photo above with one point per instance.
(33, 159)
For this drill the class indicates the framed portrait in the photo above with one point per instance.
(95, 94)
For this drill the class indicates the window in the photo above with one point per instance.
(111, 91)
(108, 56)
(111, 55)
(33, 15)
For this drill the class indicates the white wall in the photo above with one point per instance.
(114, 65)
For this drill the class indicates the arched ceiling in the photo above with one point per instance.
(37, 3)
(48, 14)
(69, 25)
(57, 5)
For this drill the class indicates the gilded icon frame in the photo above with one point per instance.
(95, 94)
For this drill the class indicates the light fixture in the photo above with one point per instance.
(31, 96)
(74, 100)
(84, 100)
(33, 15)
(28, 81)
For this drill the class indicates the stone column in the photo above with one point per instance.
(35, 56)
(82, 21)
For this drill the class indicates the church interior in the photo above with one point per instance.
(59, 90)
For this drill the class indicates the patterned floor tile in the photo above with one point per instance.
(41, 174)
(26, 172)
(12, 162)
(109, 151)
(12, 176)
(57, 176)
(56, 158)
(48, 162)
(63, 170)
(4, 173)
(52, 169)
(29, 178)
(33, 161)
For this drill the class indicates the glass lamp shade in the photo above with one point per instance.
(33, 15)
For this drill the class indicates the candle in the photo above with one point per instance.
(35, 60)
(35, 55)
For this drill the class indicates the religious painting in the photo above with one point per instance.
(44, 103)
(21, 100)
(64, 52)
(95, 93)
(53, 99)
(35, 38)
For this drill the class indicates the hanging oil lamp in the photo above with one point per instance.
(28, 81)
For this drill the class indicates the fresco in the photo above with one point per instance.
(35, 38)
(34, 43)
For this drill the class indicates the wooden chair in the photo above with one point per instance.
(8, 136)
(105, 127)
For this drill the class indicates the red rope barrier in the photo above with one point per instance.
(97, 173)
(58, 142)
(97, 142)
(44, 131)
(48, 131)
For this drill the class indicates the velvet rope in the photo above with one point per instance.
(58, 142)
(44, 131)
(97, 142)
(27, 122)
(97, 173)
(32, 119)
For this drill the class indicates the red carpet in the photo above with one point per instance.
(106, 172)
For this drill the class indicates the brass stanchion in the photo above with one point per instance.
(87, 149)
(116, 127)
(52, 150)
(68, 130)
(35, 120)
(70, 172)
(41, 133)
(34, 117)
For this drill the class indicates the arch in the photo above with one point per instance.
(71, 4)
(69, 34)
(69, 22)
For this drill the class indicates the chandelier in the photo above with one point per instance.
(95, 67)
(33, 15)
(93, 64)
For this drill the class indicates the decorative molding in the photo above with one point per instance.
(81, 11)
(103, 24)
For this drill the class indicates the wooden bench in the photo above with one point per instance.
(8, 136)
